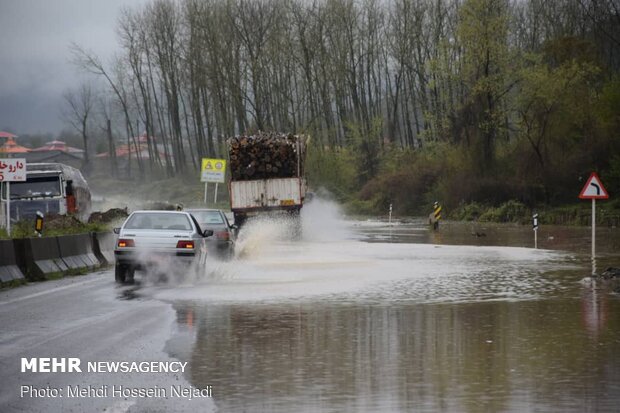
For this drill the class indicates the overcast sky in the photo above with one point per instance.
(34, 48)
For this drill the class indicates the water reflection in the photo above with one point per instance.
(129, 292)
(491, 356)
(447, 328)
(594, 308)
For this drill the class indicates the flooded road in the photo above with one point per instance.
(355, 316)
(370, 317)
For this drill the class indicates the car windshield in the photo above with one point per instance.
(208, 217)
(154, 220)
(39, 187)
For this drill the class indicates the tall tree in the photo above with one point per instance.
(483, 34)
(79, 113)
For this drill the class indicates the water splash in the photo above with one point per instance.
(262, 232)
(323, 220)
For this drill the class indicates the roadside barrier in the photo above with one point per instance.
(77, 251)
(41, 257)
(9, 269)
(103, 247)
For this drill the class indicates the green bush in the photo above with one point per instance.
(468, 212)
(360, 207)
(333, 170)
(511, 211)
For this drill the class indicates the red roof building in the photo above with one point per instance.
(58, 146)
(10, 146)
(124, 151)
(7, 135)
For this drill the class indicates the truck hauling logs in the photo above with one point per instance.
(267, 174)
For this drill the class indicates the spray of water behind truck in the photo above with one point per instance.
(267, 175)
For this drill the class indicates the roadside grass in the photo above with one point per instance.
(72, 272)
(12, 284)
(25, 229)
(146, 193)
(515, 212)
(608, 213)
(54, 276)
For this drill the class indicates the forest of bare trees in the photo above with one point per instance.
(380, 85)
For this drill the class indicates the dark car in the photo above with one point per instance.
(224, 234)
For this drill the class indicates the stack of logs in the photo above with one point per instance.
(265, 155)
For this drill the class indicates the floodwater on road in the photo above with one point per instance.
(363, 316)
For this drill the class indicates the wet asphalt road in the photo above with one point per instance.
(90, 318)
(373, 318)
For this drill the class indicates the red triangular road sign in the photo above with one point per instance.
(593, 189)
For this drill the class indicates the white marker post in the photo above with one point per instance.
(11, 170)
(593, 189)
(390, 216)
(535, 227)
(593, 228)
(8, 208)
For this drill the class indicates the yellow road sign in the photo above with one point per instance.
(213, 170)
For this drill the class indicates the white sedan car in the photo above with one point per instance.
(153, 239)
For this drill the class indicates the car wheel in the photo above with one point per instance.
(120, 273)
(130, 272)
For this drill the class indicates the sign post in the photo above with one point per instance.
(212, 170)
(593, 228)
(593, 189)
(8, 208)
(11, 170)
(535, 227)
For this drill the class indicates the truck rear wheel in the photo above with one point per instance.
(240, 219)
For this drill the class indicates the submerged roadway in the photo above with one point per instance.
(357, 317)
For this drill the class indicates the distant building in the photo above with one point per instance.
(7, 135)
(51, 152)
(59, 146)
(72, 159)
(125, 153)
(10, 148)
(57, 152)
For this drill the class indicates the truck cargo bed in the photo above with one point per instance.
(266, 194)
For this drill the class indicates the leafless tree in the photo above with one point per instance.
(79, 112)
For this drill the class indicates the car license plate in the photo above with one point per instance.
(286, 202)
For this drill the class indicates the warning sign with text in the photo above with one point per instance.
(213, 170)
(12, 169)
